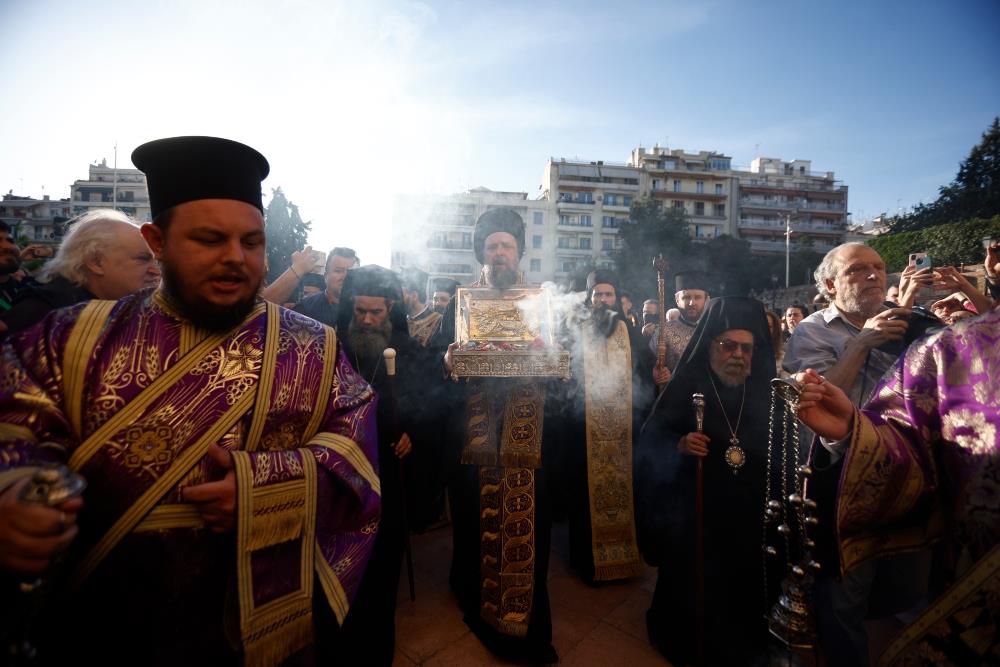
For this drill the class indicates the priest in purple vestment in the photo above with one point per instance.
(228, 446)
(922, 467)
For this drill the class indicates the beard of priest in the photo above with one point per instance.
(730, 355)
(370, 329)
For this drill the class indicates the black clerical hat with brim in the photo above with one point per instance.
(183, 169)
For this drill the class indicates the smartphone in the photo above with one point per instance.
(920, 260)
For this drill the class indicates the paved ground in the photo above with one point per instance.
(600, 626)
(603, 625)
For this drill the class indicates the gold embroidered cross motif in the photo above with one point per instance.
(148, 446)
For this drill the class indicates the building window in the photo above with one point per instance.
(569, 266)
(678, 205)
(610, 200)
(607, 244)
(563, 242)
(677, 186)
(584, 243)
(699, 187)
(564, 220)
(536, 241)
(585, 197)
(626, 200)
(539, 218)
(656, 184)
(699, 208)
(669, 164)
(585, 220)
(718, 188)
(609, 221)
(536, 265)
(720, 210)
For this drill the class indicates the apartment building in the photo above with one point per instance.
(774, 193)
(108, 187)
(701, 185)
(35, 220)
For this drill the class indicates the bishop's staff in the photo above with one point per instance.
(660, 266)
(390, 371)
(698, 403)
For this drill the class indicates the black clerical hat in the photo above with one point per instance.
(444, 285)
(684, 280)
(498, 220)
(599, 276)
(183, 169)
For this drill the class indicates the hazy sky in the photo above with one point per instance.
(354, 102)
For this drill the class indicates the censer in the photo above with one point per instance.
(791, 620)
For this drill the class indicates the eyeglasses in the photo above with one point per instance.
(730, 346)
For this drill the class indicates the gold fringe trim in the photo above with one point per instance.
(166, 517)
(277, 635)
(612, 572)
(276, 514)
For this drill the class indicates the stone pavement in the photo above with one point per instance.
(591, 625)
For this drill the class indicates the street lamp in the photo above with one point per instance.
(788, 244)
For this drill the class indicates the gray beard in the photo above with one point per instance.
(732, 379)
(864, 307)
(368, 344)
(501, 278)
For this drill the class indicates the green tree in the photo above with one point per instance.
(286, 232)
(951, 244)
(651, 230)
(975, 192)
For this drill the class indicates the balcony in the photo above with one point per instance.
(747, 202)
(794, 186)
(664, 193)
(571, 203)
(823, 206)
(563, 250)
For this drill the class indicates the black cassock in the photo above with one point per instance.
(735, 599)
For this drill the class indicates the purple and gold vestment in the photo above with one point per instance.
(924, 466)
(135, 395)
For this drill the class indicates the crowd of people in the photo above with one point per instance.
(255, 457)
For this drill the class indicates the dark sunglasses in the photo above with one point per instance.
(729, 346)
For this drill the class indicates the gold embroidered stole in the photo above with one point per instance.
(607, 364)
(422, 329)
(962, 615)
(506, 495)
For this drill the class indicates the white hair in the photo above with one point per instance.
(828, 268)
(86, 235)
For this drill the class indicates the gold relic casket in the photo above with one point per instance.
(506, 333)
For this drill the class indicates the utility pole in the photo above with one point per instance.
(114, 181)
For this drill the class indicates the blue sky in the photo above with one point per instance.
(355, 102)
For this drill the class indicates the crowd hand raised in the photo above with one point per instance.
(661, 375)
(992, 262)
(951, 279)
(403, 447)
(31, 534)
(648, 329)
(880, 329)
(303, 261)
(823, 406)
(216, 501)
(695, 444)
(910, 283)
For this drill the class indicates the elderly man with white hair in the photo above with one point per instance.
(842, 342)
(102, 256)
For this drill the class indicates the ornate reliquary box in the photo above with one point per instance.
(507, 333)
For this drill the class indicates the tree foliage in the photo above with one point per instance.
(732, 269)
(975, 192)
(951, 244)
(651, 230)
(286, 233)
